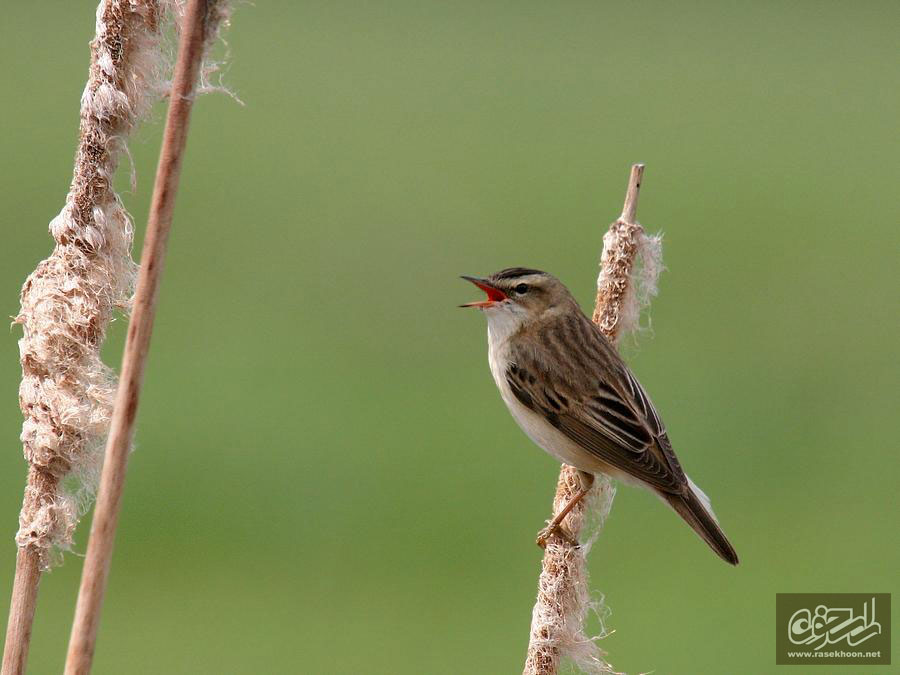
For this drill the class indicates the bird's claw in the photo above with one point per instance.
(554, 530)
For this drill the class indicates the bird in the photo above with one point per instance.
(569, 390)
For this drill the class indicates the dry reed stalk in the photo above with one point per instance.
(67, 302)
(200, 26)
(630, 265)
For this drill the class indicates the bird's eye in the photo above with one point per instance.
(522, 289)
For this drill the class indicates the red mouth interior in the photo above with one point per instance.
(493, 294)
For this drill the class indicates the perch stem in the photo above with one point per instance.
(556, 585)
(100, 545)
(629, 210)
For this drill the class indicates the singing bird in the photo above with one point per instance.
(572, 394)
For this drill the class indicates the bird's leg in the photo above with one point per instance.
(587, 482)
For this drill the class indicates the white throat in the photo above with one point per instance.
(503, 320)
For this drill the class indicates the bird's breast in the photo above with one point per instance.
(535, 426)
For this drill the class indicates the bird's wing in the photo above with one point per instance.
(599, 405)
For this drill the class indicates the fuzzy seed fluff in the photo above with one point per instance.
(67, 392)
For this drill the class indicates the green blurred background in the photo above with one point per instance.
(326, 480)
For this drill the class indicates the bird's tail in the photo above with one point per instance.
(694, 507)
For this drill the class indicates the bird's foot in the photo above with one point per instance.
(554, 530)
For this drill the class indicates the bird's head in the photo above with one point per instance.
(521, 294)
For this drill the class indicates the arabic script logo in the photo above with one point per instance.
(831, 625)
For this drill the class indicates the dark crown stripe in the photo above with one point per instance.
(515, 272)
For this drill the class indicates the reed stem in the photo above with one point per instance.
(563, 600)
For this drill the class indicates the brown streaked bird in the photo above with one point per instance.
(570, 391)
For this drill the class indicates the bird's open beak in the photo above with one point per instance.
(494, 294)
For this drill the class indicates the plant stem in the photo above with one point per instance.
(109, 499)
(66, 393)
(629, 209)
(27, 579)
(562, 593)
(21, 611)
